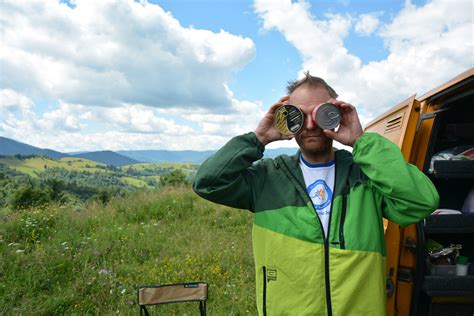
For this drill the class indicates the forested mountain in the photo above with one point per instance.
(10, 147)
(108, 157)
(192, 156)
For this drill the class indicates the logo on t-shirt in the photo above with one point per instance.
(320, 193)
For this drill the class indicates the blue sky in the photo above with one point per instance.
(95, 75)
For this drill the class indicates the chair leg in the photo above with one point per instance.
(143, 310)
(202, 308)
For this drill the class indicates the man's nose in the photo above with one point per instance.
(309, 123)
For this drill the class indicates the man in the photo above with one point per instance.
(318, 236)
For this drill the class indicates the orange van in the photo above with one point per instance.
(434, 126)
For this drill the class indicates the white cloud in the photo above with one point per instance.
(367, 23)
(66, 141)
(243, 117)
(60, 120)
(426, 48)
(11, 100)
(107, 53)
(141, 119)
(72, 127)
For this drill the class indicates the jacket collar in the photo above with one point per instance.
(343, 160)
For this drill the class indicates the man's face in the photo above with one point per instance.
(311, 138)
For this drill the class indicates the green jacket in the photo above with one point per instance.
(298, 270)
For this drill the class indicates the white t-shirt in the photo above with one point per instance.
(319, 181)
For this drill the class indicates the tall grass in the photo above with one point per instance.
(92, 259)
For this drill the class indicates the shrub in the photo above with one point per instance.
(175, 178)
(27, 196)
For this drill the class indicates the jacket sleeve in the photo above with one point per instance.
(407, 194)
(230, 175)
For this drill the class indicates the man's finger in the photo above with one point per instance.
(283, 99)
(274, 108)
(329, 133)
(280, 102)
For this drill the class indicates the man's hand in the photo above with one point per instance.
(266, 131)
(350, 128)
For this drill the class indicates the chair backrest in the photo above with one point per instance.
(173, 293)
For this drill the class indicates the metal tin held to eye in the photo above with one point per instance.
(327, 116)
(289, 119)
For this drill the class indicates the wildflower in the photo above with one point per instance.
(20, 251)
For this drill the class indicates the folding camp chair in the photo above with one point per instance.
(173, 293)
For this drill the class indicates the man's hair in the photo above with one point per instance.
(311, 81)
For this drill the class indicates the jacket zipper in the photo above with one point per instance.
(264, 269)
(342, 243)
(326, 239)
(326, 246)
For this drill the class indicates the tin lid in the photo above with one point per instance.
(327, 116)
(289, 119)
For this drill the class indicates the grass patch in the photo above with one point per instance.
(34, 166)
(135, 182)
(91, 259)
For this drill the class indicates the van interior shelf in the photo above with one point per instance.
(453, 169)
(450, 224)
(437, 285)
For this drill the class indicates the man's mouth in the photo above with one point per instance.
(310, 136)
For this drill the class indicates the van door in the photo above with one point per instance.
(399, 125)
(446, 125)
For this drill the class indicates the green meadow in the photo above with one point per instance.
(91, 258)
(35, 165)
